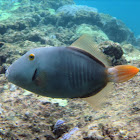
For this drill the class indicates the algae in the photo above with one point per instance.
(52, 11)
(4, 15)
(61, 102)
(15, 6)
(92, 31)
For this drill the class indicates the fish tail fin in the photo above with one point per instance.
(116, 74)
(121, 73)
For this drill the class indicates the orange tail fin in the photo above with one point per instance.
(121, 73)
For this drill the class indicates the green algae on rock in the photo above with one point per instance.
(95, 32)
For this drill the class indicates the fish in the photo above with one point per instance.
(80, 70)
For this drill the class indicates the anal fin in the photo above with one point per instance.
(98, 99)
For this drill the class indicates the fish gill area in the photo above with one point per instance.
(26, 116)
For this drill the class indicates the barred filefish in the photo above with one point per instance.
(77, 71)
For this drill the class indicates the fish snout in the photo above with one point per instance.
(7, 73)
(10, 74)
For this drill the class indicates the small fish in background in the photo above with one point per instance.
(77, 71)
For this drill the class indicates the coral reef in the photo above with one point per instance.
(116, 29)
(138, 42)
(94, 31)
(73, 10)
(130, 52)
(53, 4)
(14, 4)
(25, 115)
(74, 16)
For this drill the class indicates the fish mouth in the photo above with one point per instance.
(34, 75)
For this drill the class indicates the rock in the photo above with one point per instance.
(48, 17)
(98, 137)
(72, 10)
(27, 116)
(35, 36)
(36, 130)
(59, 123)
(59, 102)
(1, 109)
(47, 114)
(130, 52)
(45, 102)
(18, 25)
(53, 3)
(65, 35)
(127, 48)
(68, 135)
(88, 118)
(113, 51)
(3, 28)
(60, 128)
(2, 69)
(138, 42)
(76, 15)
(1, 44)
(49, 137)
(5, 87)
(27, 93)
(9, 53)
(116, 30)
(13, 87)
(94, 31)
(2, 132)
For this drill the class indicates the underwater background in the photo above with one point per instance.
(113, 26)
(126, 10)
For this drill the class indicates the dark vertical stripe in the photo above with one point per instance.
(76, 73)
(89, 72)
(80, 73)
(85, 74)
(73, 72)
(69, 70)
(76, 76)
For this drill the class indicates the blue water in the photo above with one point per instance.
(126, 10)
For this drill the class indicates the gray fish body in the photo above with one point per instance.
(58, 72)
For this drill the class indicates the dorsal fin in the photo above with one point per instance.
(86, 53)
(85, 43)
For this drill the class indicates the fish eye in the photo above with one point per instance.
(31, 56)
